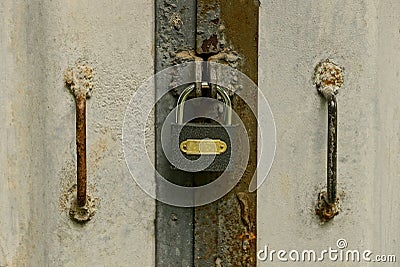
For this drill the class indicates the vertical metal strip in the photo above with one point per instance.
(81, 147)
(225, 231)
(206, 217)
(175, 31)
(209, 37)
(332, 150)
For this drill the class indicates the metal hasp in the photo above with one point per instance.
(328, 79)
(79, 81)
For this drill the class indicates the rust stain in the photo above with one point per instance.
(215, 21)
(324, 210)
(244, 208)
(207, 43)
(98, 151)
(328, 77)
(209, 38)
(249, 237)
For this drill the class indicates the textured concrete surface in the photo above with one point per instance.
(364, 38)
(39, 40)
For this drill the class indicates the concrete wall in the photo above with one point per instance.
(39, 40)
(364, 38)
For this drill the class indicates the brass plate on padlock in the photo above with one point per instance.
(203, 147)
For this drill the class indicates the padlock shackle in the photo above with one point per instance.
(185, 93)
(225, 96)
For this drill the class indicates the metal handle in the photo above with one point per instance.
(79, 80)
(328, 79)
(332, 151)
(328, 202)
(184, 95)
(81, 176)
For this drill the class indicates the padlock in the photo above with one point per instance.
(210, 143)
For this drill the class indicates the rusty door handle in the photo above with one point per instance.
(81, 177)
(328, 202)
(79, 80)
(328, 80)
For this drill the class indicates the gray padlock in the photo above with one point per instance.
(211, 143)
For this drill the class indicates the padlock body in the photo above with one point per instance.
(198, 131)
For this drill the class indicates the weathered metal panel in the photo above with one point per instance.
(209, 39)
(225, 231)
(175, 32)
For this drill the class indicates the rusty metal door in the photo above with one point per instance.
(222, 233)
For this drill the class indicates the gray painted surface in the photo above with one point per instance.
(175, 27)
(37, 138)
(39, 40)
(364, 38)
